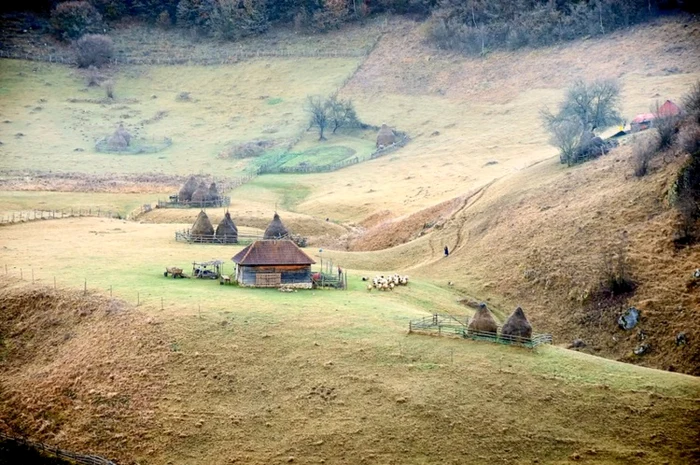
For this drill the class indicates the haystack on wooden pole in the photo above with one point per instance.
(385, 137)
(226, 231)
(276, 229)
(123, 133)
(482, 322)
(201, 194)
(117, 142)
(517, 328)
(185, 194)
(202, 229)
(213, 192)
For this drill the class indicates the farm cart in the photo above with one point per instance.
(174, 271)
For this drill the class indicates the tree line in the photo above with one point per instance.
(468, 26)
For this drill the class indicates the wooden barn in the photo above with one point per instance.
(273, 263)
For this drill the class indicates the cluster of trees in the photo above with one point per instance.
(479, 26)
(470, 26)
(586, 107)
(333, 113)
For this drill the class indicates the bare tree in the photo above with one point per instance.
(341, 113)
(565, 135)
(319, 114)
(594, 104)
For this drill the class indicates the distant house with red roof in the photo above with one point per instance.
(646, 120)
(273, 263)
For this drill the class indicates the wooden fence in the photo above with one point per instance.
(241, 239)
(269, 168)
(223, 58)
(59, 453)
(24, 216)
(222, 201)
(448, 325)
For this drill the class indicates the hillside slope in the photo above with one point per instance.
(539, 239)
(240, 386)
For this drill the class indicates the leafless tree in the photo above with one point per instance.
(319, 114)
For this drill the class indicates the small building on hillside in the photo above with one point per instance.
(642, 122)
(273, 263)
(646, 120)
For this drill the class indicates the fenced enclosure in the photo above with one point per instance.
(56, 452)
(173, 202)
(135, 147)
(242, 239)
(449, 325)
(274, 166)
(23, 216)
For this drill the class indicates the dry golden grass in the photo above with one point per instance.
(219, 374)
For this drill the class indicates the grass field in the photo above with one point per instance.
(152, 370)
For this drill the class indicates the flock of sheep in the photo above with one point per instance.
(386, 283)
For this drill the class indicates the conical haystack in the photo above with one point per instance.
(385, 137)
(482, 321)
(202, 229)
(185, 194)
(226, 231)
(213, 192)
(276, 229)
(516, 327)
(201, 194)
(124, 133)
(117, 142)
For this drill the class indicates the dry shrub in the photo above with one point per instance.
(93, 77)
(643, 151)
(109, 89)
(616, 278)
(94, 50)
(691, 102)
(689, 138)
(247, 149)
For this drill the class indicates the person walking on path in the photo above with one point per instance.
(447, 251)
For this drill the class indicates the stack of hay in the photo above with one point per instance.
(276, 229)
(482, 323)
(385, 137)
(120, 140)
(213, 192)
(517, 328)
(226, 231)
(202, 229)
(201, 194)
(185, 194)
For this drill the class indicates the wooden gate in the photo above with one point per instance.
(268, 279)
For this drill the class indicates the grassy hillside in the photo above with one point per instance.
(327, 381)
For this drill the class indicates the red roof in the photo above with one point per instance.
(669, 109)
(643, 118)
(284, 252)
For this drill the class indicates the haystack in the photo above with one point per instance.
(202, 228)
(276, 229)
(482, 321)
(386, 136)
(124, 133)
(517, 327)
(201, 194)
(213, 192)
(185, 194)
(226, 231)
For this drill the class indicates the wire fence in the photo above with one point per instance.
(273, 167)
(223, 58)
(449, 325)
(23, 216)
(57, 452)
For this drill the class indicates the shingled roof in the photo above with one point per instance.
(283, 252)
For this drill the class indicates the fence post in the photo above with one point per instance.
(138, 299)
(85, 287)
(32, 275)
(54, 283)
